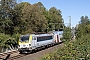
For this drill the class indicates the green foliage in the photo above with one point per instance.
(16, 36)
(54, 18)
(26, 18)
(55, 15)
(23, 18)
(6, 16)
(72, 50)
(6, 41)
(3, 40)
(83, 27)
(67, 33)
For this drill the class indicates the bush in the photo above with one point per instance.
(7, 42)
(73, 50)
(16, 36)
(67, 34)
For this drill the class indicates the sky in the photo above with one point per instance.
(73, 8)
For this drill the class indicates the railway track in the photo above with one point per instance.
(11, 55)
(39, 54)
(14, 55)
(4, 56)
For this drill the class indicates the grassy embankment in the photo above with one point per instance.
(73, 50)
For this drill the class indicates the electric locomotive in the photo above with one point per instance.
(29, 42)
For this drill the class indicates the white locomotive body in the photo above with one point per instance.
(29, 42)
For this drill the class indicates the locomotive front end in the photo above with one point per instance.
(24, 44)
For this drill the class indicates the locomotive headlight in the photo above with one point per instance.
(24, 45)
(29, 44)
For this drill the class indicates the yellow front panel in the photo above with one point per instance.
(30, 38)
(23, 43)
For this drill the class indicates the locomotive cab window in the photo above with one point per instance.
(24, 38)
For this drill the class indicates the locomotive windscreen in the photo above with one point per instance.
(24, 38)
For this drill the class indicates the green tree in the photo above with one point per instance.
(83, 27)
(7, 13)
(34, 17)
(18, 21)
(55, 17)
(84, 19)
